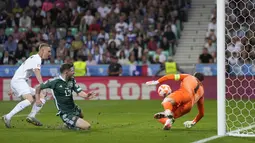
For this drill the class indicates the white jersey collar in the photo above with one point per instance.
(61, 78)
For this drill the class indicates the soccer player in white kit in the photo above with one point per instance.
(20, 87)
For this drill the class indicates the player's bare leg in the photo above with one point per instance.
(82, 124)
(35, 109)
(19, 107)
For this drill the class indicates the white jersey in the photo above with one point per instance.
(26, 69)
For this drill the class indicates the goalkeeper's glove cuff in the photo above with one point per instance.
(153, 82)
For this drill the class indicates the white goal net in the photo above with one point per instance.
(240, 67)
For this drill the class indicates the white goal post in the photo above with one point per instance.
(235, 87)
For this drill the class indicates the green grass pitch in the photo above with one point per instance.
(113, 122)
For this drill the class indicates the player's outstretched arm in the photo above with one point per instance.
(81, 93)
(89, 95)
(38, 75)
(168, 77)
(48, 84)
(200, 115)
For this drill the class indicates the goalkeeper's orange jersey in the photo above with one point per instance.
(190, 86)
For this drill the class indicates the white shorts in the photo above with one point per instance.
(20, 87)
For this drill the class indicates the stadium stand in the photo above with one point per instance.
(99, 28)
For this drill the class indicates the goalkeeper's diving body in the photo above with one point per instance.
(181, 101)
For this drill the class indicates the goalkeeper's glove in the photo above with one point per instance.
(153, 82)
(189, 124)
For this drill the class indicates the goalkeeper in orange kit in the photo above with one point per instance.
(181, 101)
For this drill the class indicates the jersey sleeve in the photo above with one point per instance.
(76, 87)
(33, 62)
(48, 84)
(176, 77)
(37, 63)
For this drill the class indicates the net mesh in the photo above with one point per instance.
(240, 69)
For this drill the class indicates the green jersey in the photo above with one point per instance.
(62, 93)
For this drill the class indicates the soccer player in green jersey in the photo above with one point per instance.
(62, 87)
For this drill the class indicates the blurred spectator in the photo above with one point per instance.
(114, 69)
(33, 52)
(103, 10)
(47, 6)
(103, 35)
(119, 35)
(75, 20)
(68, 60)
(164, 44)
(159, 56)
(17, 12)
(3, 19)
(103, 59)
(137, 50)
(211, 47)
(112, 48)
(88, 18)
(169, 34)
(35, 3)
(80, 67)
(212, 25)
(16, 34)
(7, 59)
(20, 52)
(94, 27)
(69, 38)
(152, 44)
(205, 57)
(211, 35)
(234, 59)
(3, 37)
(63, 19)
(96, 53)
(123, 60)
(10, 45)
(61, 50)
(53, 42)
(91, 60)
(25, 21)
(132, 60)
(121, 26)
(144, 60)
(76, 46)
(169, 67)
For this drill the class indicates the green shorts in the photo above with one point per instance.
(71, 118)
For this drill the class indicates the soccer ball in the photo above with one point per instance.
(164, 90)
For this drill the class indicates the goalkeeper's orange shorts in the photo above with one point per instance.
(183, 103)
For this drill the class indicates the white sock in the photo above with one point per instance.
(19, 107)
(168, 113)
(36, 109)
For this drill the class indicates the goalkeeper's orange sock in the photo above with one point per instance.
(163, 120)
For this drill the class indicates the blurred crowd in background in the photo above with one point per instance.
(136, 31)
(240, 36)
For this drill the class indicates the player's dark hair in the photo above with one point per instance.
(199, 76)
(66, 66)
